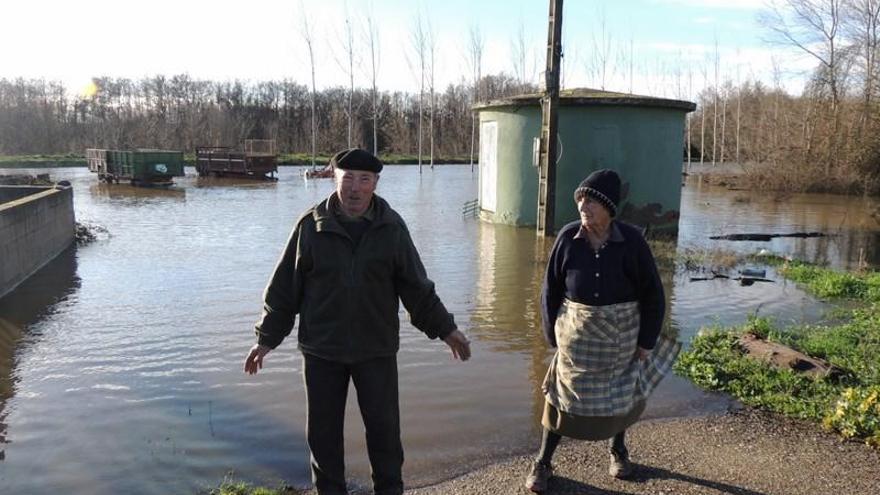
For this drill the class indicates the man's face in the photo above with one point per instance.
(355, 190)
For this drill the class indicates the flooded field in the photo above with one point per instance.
(120, 363)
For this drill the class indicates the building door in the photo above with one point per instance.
(488, 165)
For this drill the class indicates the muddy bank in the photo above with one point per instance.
(744, 453)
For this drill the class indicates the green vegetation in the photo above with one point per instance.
(664, 251)
(714, 260)
(388, 159)
(240, 488)
(828, 284)
(42, 161)
(848, 404)
(75, 160)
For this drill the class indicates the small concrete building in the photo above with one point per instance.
(640, 137)
(36, 224)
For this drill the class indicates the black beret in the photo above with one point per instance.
(603, 186)
(356, 159)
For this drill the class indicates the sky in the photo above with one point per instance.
(656, 47)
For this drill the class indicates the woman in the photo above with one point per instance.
(603, 306)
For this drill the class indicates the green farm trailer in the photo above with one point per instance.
(142, 167)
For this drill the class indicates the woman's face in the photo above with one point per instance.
(594, 216)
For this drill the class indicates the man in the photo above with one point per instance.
(347, 264)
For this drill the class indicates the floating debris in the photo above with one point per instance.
(748, 277)
(784, 357)
(764, 237)
(86, 233)
(753, 272)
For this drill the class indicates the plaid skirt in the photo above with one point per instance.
(596, 371)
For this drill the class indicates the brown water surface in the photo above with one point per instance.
(120, 363)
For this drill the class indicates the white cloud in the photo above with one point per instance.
(716, 4)
(681, 70)
(705, 20)
(687, 50)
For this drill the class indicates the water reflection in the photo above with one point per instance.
(145, 356)
(30, 302)
(230, 182)
(849, 222)
(512, 262)
(136, 195)
(507, 316)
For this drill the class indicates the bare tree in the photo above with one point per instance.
(346, 63)
(419, 46)
(814, 27)
(688, 117)
(705, 72)
(519, 51)
(738, 106)
(475, 63)
(309, 39)
(431, 47)
(717, 63)
(678, 73)
(372, 40)
(862, 23)
(568, 58)
(631, 62)
(724, 119)
(600, 64)
(777, 86)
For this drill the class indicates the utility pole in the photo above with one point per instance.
(549, 122)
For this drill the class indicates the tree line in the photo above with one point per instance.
(180, 112)
(826, 139)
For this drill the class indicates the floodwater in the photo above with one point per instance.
(120, 363)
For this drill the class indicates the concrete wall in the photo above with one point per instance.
(11, 193)
(36, 224)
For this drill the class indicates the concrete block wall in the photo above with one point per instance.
(34, 228)
(11, 193)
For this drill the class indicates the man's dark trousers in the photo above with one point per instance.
(375, 381)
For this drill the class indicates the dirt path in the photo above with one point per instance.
(740, 453)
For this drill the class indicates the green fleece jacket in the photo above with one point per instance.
(346, 295)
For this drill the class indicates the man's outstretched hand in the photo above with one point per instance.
(254, 360)
(460, 345)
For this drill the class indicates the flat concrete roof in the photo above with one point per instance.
(589, 97)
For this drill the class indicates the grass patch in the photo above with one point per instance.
(241, 488)
(42, 161)
(664, 251)
(835, 285)
(711, 260)
(716, 362)
(850, 404)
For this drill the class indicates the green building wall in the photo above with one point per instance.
(643, 143)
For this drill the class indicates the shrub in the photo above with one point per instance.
(857, 414)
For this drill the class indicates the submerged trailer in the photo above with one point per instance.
(257, 161)
(141, 167)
